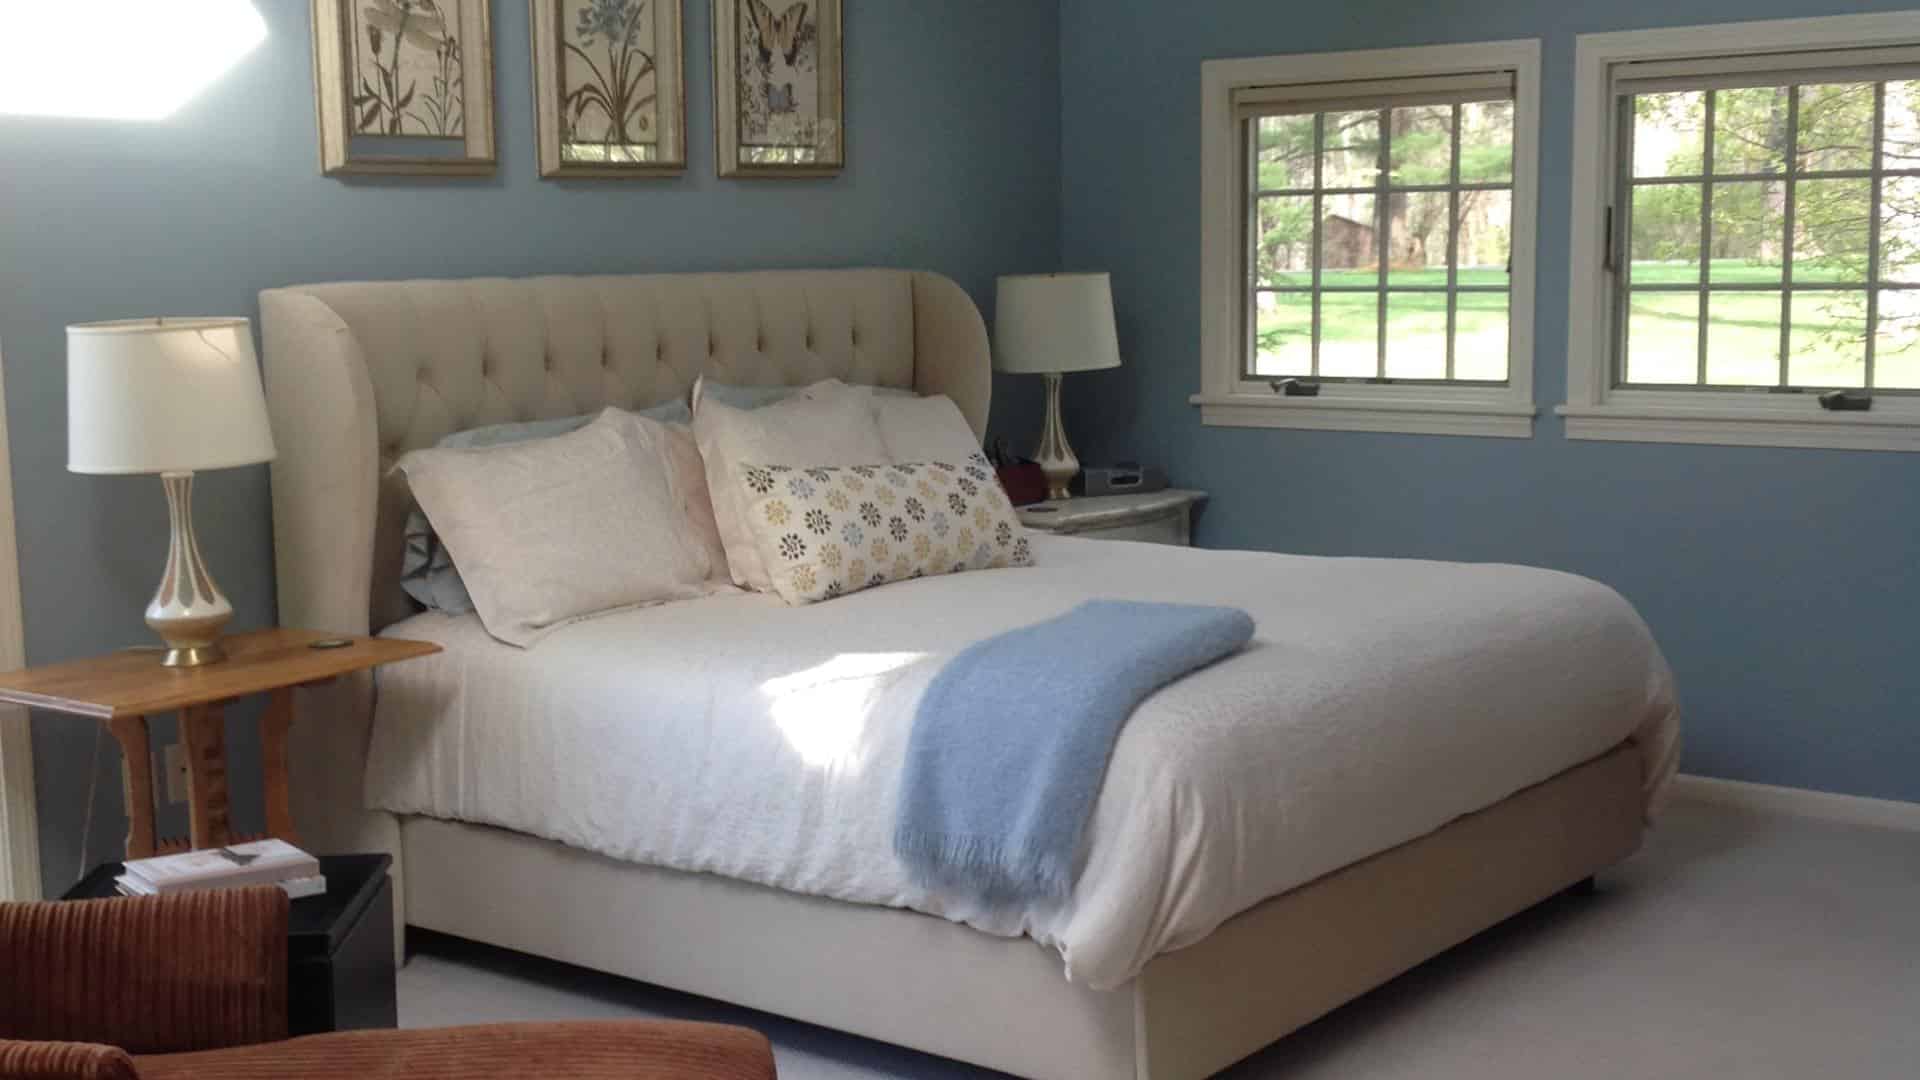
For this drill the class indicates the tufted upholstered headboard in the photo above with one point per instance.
(359, 373)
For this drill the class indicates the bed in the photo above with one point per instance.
(696, 794)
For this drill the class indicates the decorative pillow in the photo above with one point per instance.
(829, 428)
(924, 429)
(825, 532)
(554, 530)
(426, 572)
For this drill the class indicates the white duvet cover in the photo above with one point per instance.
(737, 736)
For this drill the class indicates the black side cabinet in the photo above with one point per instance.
(339, 946)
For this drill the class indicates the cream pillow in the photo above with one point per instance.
(825, 532)
(689, 475)
(923, 428)
(551, 531)
(834, 427)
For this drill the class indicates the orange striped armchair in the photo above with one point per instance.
(195, 985)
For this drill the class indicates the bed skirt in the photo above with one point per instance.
(918, 981)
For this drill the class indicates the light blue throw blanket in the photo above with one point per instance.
(1011, 741)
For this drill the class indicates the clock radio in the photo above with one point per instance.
(1123, 479)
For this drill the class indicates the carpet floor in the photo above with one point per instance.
(1733, 944)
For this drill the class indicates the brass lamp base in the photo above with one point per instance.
(1054, 455)
(192, 655)
(188, 611)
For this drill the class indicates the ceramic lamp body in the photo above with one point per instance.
(1055, 455)
(188, 610)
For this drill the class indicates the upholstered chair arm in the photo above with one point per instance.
(148, 974)
(583, 1050)
(63, 1061)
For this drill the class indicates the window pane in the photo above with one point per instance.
(1486, 142)
(1417, 335)
(1417, 243)
(1668, 139)
(1480, 336)
(1349, 241)
(1663, 338)
(1896, 348)
(1665, 245)
(1350, 334)
(1828, 346)
(1830, 230)
(1836, 127)
(1750, 130)
(1283, 333)
(1285, 151)
(1486, 236)
(1749, 227)
(1351, 157)
(1421, 150)
(1900, 229)
(1283, 248)
(1743, 338)
(1901, 148)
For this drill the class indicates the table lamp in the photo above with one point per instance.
(174, 397)
(1050, 324)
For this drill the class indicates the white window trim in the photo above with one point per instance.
(1595, 408)
(1226, 399)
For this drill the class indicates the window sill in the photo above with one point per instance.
(1408, 416)
(1885, 429)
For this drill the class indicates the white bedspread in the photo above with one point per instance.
(735, 735)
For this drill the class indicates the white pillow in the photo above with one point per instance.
(826, 428)
(923, 429)
(552, 531)
(689, 475)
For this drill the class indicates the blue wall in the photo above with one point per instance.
(1782, 583)
(953, 166)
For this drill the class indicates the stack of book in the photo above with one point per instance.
(263, 862)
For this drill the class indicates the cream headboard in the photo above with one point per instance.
(359, 373)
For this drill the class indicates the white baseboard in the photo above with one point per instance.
(1798, 802)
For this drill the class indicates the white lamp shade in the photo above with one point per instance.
(1048, 323)
(164, 395)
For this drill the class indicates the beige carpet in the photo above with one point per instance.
(1733, 945)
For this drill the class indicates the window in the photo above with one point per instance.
(1758, 237)
(1368, 239)
(1378, 235)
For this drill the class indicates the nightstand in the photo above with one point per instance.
(122, 689)
(1156, 517)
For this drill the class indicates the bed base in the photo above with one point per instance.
(926, 983)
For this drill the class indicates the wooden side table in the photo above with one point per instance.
(123, 689)
(1155, 517)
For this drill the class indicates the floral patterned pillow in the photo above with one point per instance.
(826, 532)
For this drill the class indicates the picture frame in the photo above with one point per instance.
(609, 79)
(404, 87)
(779, 87)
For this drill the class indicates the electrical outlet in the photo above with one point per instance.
(174, 758)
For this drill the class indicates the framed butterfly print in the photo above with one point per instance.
(609, 87)
(778, 102)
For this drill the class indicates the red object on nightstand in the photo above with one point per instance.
(1024, 482)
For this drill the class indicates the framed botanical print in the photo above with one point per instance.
(404, 86)
(778, 105)
(609, 87)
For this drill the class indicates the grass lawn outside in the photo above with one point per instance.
(1827, 346)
